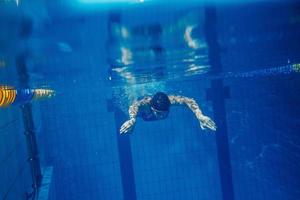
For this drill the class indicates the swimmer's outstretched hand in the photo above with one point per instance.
(206, 122)
(127, 126)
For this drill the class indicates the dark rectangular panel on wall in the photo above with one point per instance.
(125, 156)
(29, 132)
(217, 94)
(123, 141)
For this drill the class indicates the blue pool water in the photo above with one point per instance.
(239, 61)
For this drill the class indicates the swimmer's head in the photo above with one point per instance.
(160, 102)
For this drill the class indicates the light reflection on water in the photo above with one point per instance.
(153, 52)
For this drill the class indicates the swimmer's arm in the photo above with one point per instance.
(205, 122)
(133, 111)
(134, 108)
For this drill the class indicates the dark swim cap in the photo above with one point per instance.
(160, 101)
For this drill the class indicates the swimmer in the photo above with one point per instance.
(157, 107)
